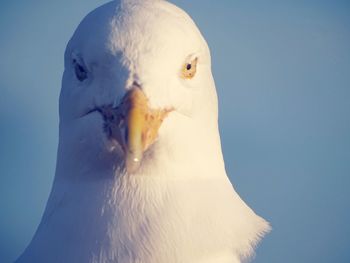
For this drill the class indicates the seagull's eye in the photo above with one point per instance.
(189, 69)
(80, 71)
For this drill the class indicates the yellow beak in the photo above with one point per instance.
(142, 125)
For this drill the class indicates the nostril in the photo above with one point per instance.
(136, 84)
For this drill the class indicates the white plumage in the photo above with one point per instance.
(179, 206)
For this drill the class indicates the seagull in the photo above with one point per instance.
(140, 175)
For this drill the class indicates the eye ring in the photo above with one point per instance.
(80, 72)
(189, 69)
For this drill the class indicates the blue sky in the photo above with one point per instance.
(282, 70)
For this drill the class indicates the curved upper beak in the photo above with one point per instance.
(140, 124)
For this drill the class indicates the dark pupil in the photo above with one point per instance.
(189, 66)
(80, 72)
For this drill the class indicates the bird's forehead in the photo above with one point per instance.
(150, 29)
(153, 31)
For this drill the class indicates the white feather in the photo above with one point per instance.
(180, 206)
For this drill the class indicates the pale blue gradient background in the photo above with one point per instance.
(282, 70)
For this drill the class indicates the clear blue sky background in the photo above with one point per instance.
(282, 70)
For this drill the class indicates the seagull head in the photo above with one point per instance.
(137, 83)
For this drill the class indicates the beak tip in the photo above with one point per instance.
(132, 164)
